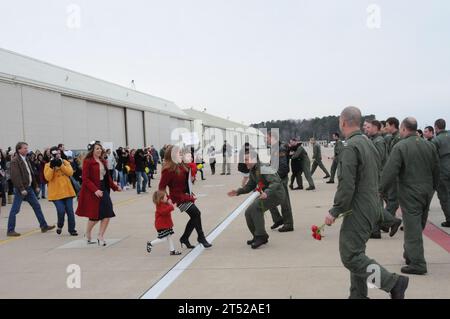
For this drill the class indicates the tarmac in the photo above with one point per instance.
(291, 265)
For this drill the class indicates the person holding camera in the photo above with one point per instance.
(25, 185)
(60, 190)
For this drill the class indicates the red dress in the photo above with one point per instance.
(88, 203)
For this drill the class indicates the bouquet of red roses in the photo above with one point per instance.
(317, 231)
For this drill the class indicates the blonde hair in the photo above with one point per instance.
(158, 196)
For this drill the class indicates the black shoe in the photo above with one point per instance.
(395, 227)
(186, 243)
(249, 242)
(12, 234)
(259, 241)
(73, 233)
(222, 173)
(311, 188)
(175, 253)
(384, 229)
(149, 247)
(228, 173)
(47, 228)
(204, 242)
(276, 225)
(398, 292)
(300, 187)
(445, 224)
(376, 235)
(59, 231)
(285, 229)
(412, 271)
(328, 176)
(330, 182)
(291, 187)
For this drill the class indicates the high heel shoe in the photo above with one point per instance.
(175, 253)
(101, 242)
(204, 242)
(88, 240)
(186, 243)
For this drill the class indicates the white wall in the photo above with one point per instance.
(116, 126)
(75, 118)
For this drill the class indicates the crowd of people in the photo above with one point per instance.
(381, 167)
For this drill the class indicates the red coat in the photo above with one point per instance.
(193, 168)
(88, 203)
(163, 216)
(177, 184)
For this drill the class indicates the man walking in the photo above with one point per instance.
(226, 156)
(279, 157)
(267, 181)
(317, 159)
(358, 191)
(392, 126)
(337, 151)
(25, 185)
(442, 143)
(428, 133)
(387, 221)
(415, 163)
(302, 155)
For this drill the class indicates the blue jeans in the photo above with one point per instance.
(15, 209)
(63, 207)
(140, 183)
(123, 178)
(43, 190)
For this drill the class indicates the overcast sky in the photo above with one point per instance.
(251, 60)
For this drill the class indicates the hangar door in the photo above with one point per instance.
(135, 128)
(11, 130)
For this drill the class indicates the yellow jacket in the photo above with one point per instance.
(59, 184)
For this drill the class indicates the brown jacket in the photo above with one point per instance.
(19, 174)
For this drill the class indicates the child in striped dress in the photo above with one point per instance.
(163, 222)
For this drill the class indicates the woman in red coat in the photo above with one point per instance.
(94, 201)
(176, 176)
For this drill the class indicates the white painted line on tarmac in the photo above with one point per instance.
(160, 286)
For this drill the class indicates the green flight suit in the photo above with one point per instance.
(392, 204)
(301, 154)
(337, 150)
(254, 214)
(387, 219)
(442, 143)
(281, 158)
(317, 160)
(358, 191)
(415, 163)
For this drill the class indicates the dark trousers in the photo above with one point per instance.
(213, 168)
(334, 166)
(195, 222)
(296, 176)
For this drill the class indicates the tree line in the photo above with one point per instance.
(320, 128)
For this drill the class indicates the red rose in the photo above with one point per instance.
(314, 228)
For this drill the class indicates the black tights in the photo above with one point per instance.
(195, 222)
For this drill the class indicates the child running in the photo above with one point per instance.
(163, 222)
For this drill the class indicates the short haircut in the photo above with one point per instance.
(376, 123)
(410, 123)
(60, 145)
(337, 134)
(352, 115)
(393, 121)
(430, 128)
(383, 123)
(20, 145)
(440, 124)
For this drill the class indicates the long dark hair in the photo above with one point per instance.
(91, 148)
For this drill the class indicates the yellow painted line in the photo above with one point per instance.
(31, 232)
(35, 231)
